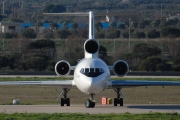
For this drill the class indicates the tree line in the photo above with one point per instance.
(41, 55)
(36, 55)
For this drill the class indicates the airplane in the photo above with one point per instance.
(91, 74)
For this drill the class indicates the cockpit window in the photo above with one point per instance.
(97, 69)
(86, 70)
(92, 72)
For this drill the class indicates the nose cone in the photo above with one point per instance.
(88, 85)
(94, 85)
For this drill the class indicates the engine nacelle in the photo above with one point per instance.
(62, 68)
(91, 46)
(120, 68)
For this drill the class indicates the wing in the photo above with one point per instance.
(62, 83)
(131, 83)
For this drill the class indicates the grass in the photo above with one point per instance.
(79, 116)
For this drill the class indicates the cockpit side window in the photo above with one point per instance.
(82, 70)
(92, 72)
(101, 70)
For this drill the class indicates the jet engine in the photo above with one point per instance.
(120, 68)
(62, 68)
(91, 46)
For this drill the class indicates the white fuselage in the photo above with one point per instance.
(91, 75)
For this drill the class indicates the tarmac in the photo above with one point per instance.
(99, 109)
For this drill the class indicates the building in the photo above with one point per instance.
(27, 25)
(174, 17)
(6, 27)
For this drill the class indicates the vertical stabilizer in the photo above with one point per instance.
(91, 25)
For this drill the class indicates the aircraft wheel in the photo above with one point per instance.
(121, 101)
(62, 101)
(93, 104)
(68, 102)
(115, 101)
(88, 103)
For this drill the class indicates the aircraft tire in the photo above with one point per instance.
(62, 101)
(115, 101)
(93, 104)
(88, 103)
(68, 102)
(121, 101)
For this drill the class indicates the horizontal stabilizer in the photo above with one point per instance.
(67, 14)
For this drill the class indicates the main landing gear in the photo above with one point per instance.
(90, 103)
(118, 100)
(64, 100)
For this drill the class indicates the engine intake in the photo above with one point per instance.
(91, 46)
(120, 68)
(62, 68)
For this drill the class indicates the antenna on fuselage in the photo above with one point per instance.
(91, 19)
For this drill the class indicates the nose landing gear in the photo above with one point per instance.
(90, 103)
